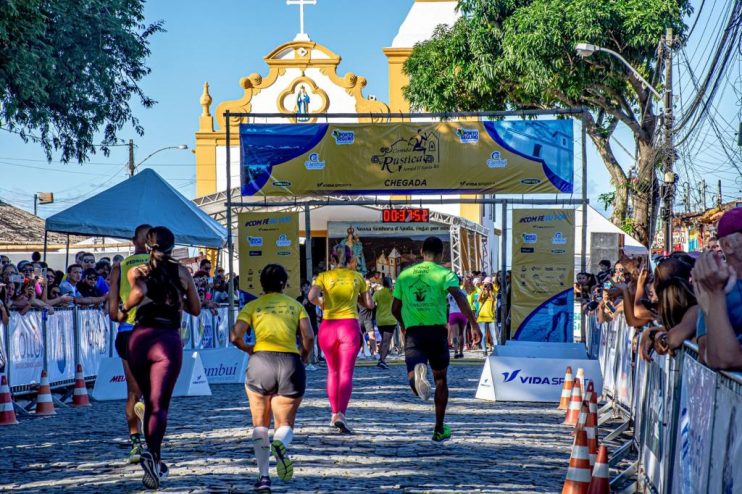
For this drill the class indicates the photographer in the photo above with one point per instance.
(486, 314)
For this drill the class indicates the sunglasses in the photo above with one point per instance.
(93, 278)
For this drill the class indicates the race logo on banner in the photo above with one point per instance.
(268, 238)
(94, 334)
(543, 274)
(511, 157)
(60, 342)
(26, 348)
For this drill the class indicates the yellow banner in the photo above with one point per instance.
(543, 275)
(514, 156)
(268, 238)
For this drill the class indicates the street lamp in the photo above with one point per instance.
(585, 50)
(133, 167)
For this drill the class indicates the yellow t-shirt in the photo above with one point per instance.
(487, 309)
(124, 287)
(383, 299)
(340, 290)
(275, 319)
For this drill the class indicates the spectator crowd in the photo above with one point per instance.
(678, 297)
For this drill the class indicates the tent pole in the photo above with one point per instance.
(67, 253)
(308, 242)
(230, 247)
(583, 261)
(46, 239)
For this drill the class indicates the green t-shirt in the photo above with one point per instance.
(383, 299)
(422, 289)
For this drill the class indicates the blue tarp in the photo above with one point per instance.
(143, 198)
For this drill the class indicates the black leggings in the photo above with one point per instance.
(387, 332)
(155, 356)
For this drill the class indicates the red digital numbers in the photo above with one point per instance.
(417, 215)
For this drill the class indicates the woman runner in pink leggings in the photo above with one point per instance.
(338, 292)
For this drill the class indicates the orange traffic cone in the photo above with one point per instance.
(569, 383)
(580, 379)
(582, 419)
(80, 398)
(600, 483)
(44, 403)
(591, 426)
(578, 474)
(575, 403)
(7, 412)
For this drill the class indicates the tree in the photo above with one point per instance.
(69, 69)
(521, 54)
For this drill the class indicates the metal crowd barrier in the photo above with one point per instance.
(687, 418)
(57, 342)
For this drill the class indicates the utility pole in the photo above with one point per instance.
(669, 149)
(132, 166)
(687, 197)
(703, 195)
(719, 200)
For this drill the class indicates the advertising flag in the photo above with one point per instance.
(542, 274)
(268, 238)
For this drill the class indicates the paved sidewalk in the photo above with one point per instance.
(496, 447)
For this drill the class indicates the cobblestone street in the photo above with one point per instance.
(496, 447)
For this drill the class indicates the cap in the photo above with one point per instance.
(730, 222)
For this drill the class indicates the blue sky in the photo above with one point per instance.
(220, 42)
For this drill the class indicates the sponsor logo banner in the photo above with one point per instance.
(521, 157)
(543, 273)
(277, 236)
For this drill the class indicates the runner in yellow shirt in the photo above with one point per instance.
(383, 299)
(275, 380)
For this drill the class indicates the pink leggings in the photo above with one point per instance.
(340, 340)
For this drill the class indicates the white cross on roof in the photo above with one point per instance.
(301, 36)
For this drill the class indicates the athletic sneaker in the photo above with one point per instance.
(311, 367)
(136, 448)
(151, 479)
(338, 421)
(164, 471)
(284, 465)
(263, 484)
(445, 435)
(139, 412)
(422, 386)
(382, 365)
(458, 355)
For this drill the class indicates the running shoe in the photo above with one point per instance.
(136, 449)
(458, 355)
(422, 386)
(311, 367)
(151, 478)
(284, 465)
(263, 484)
(382, 365)
(338, 421)
(442, 436)
(139, 412)
(164, 471)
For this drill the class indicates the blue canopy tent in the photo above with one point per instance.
(143, 198)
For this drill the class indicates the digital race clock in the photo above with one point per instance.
(414, 215)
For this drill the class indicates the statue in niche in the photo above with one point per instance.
(302, 104)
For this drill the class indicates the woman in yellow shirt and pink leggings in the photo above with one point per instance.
(339, 291)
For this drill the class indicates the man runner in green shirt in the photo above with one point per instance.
(420, 307)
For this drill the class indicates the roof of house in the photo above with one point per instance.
(19, 227)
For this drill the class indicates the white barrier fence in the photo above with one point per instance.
(687, 418)
(57, 342)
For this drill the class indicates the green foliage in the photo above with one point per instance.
(607, 199)
(510, 53)
(628, 226)
(69, 69)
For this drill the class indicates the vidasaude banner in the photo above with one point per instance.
(543, 274)
(518, 156)
(268, 238)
